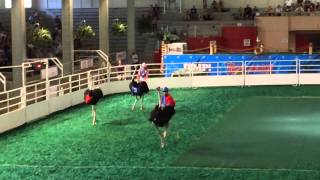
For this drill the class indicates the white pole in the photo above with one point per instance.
(23, 89)
(180, 4)
(164, 6)
(23, 75)
(47, 79)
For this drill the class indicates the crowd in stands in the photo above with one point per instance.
(299, 7)
(154, 15)
(149, 21)
(207, 15)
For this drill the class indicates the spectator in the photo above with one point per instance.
(193, 13)
(214, 5)
(34, 18)
(307, 5)
(240, 13)
(270, 11)
(278, 10)
(317, 7)
(288, 5)
(221, 6)
(157, 11)
(151, 12)
(248, 12)
(120, 70)
(255, 12)
(154, 24)
(134, 58)
(57, 22)
(57, 35)
(57, 50)
(310, 12)
(299, 10)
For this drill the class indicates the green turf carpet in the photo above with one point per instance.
(262, 132)
(124, 145)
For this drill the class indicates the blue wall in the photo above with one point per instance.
(249, 59)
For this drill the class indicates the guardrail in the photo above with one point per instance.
(226, 73)
(11, 100)
(3, 81)
(85, 60)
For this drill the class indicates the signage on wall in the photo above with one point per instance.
(246, 42)
(52, 72)
(86, 63)
(176, 48)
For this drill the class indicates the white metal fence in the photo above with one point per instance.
(226, 73)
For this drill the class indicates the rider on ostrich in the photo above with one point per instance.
(139, 87)
(162, 113)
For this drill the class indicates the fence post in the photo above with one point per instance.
(23, 95)
(23, 91)
(47, 80)
(298, 71)
(245, 72)
(218, 68)
(89, 80)
(270, 68)
(70, 83)
(108, 73)
(310, 48)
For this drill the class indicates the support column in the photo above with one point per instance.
(67, 35)
(131, 26)
(104, 26)
(18, 34)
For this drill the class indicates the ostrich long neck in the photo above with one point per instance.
(159, 97)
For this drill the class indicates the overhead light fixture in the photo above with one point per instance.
(27, 3)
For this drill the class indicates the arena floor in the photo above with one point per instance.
(249, 133)
(262, 132)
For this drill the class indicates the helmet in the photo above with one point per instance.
(144, 65)
(165, 89)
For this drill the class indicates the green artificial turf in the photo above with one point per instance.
(262, 132)
(124, 145)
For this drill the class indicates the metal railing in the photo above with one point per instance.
(33, 93)
(3, 82)
(11, 100)
(85, 60)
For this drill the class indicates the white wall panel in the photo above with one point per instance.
(54, 4)
(76, 3)
(60, 103)
(86, 3)
(273, 79)
(309, 78)
(12, 120)
(36, 111)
